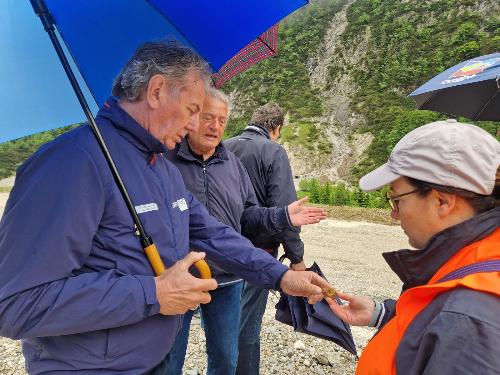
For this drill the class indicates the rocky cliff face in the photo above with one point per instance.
(361, 70)
(338, 120)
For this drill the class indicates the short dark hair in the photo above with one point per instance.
(270, 116)
(479, 203)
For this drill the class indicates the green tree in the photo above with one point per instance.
(314, 192)
(341, 195)
(325, 192)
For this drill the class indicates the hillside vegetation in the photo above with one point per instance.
(386, 49)
(410, 42)
(15, 152)
(405, 43)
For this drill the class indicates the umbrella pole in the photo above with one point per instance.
(154, 258)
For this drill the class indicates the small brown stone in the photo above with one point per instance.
(330, 292)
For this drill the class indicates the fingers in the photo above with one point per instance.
(205, 298)
(315, 298)
(305, 218)
(345, 297)
(298, 266)
(319, 281)
(316, 210)
(189, 259)
(303, 200)
(205, 284)
(314, 213)
(195, 300)
(333, 303)
(339, 310)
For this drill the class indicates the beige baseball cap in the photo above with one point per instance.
(447, 153)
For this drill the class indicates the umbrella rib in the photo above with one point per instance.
(476, 116)
(434, 93)
(267, 45)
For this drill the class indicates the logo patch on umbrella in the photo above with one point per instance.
(470, 70)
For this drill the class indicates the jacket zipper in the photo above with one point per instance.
(205, 186)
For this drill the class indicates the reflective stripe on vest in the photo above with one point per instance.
(476, 266)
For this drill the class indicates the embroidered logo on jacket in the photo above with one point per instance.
(181, 203)
(146, 208)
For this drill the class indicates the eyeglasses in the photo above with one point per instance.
(393, 200)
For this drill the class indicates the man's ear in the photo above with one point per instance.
(275, 133)
(447, 202)
(155, 90)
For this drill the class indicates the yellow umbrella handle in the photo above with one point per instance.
(203, 269)
(159, 267)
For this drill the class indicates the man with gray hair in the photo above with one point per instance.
(75, 284)
(269, 169)
(216, 177)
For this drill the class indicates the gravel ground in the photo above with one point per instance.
(349, 255)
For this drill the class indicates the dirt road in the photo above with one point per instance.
(349, 255)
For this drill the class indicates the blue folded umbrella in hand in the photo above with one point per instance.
(316, 320)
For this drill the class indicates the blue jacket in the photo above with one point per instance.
(74, 282)
(222, 185)
(269, 169)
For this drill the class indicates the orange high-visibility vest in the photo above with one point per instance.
(379, 356)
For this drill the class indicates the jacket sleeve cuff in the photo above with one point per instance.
(277, 286)
(149, 287)
(282, 218)
(377, 315)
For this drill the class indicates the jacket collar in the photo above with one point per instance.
(184, 151)
(256, 128)
(130, 129)
(416, 267)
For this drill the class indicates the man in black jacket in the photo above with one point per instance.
(267, 164)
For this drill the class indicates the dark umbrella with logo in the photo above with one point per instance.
(101, 35)
(470, 89)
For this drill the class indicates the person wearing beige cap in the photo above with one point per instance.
(444, 184)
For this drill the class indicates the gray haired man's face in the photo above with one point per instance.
(179, 114)
(213, 120)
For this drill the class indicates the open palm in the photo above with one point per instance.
(357, 311)
(300, 214)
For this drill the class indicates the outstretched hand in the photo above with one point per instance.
(304, 284)
(300, 214)
(356, 312)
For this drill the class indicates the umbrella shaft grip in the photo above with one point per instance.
(154, 258)
(158, 266)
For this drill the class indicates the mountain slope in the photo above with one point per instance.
(362, 59)
(343, 71)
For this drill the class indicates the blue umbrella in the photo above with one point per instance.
(470, 89)
(102, 35)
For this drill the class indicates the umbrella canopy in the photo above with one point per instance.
(102, 35)
(316, 320)
(470, 89)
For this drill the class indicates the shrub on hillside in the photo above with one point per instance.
(340, 195)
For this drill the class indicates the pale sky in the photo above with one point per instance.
(35, 93)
